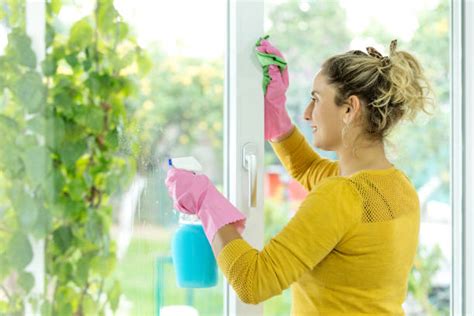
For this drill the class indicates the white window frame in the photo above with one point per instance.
(243, 125)
(462, 157)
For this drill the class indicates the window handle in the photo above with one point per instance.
(250, 164)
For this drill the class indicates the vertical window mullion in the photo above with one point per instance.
(243, 116)
(468, 87)
(462, 97)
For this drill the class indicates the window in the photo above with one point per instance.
(96, 95)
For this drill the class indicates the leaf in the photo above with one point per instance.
(19, 48)
(30, 91)
(90, 116)
(82, 272)
(107, 15)
(49, 66)
(77, 189)
(122, 30)
(25, 140)
(37, 124)
(25, 206)
(90, 306)
(62, 237)
(11, 161)
(49, 38)
(56, 6)
(20, 251)
(43, 224)
(63, 102)
(114, 295)
(55, 130)
(62, 305)
(26, 281)
(72, 60)
(8, 124)
(46, 308)
(112, 139)
(36, 162)
(81, 35)
(93, 227)
(103, 265)
(96, 119)
(70, 152)
(4, 266)
(65, 270)
(144, 63)
(87, 64)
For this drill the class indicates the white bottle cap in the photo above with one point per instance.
(187, 163)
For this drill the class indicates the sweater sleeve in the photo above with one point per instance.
(324, 218)
(302, 162)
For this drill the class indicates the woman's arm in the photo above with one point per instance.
(224, 236)
(283, 136)
(322, 220)
(301, 161)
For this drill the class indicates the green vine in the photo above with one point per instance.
(62, 157)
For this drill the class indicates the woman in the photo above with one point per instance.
(350, 247)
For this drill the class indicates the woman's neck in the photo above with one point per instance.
(367, 157)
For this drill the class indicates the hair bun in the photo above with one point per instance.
(374, 53)
(385, 60)
(393, 47)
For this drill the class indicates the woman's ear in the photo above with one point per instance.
(352, 108)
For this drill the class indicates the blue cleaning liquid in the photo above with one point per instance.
(193, 258)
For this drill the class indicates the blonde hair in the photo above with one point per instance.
(391, 88)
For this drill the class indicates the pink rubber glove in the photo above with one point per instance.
(277, 120)
(195, 194)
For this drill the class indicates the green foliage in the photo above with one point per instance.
(63, 159)
(426, 265)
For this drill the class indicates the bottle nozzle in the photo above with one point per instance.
(187, 163)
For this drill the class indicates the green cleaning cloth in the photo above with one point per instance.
(267, 60)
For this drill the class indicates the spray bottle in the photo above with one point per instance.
(192, 255)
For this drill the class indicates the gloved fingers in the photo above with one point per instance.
(261, 49)
(284, 76)
(185, 203)
(178, 181)
(266, 47)
(186, 189)
(275, 74)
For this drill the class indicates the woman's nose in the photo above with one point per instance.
(308, 111)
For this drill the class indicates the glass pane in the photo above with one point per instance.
(308, 32)
(125, 85)
(179, 113)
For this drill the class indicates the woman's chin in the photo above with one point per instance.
(316, 144)
(319, 145)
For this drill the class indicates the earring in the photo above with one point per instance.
(344, 132)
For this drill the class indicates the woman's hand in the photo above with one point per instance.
(195, 194)
(186, 189)
(277, 120)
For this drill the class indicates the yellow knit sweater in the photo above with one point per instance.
(349, 248)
